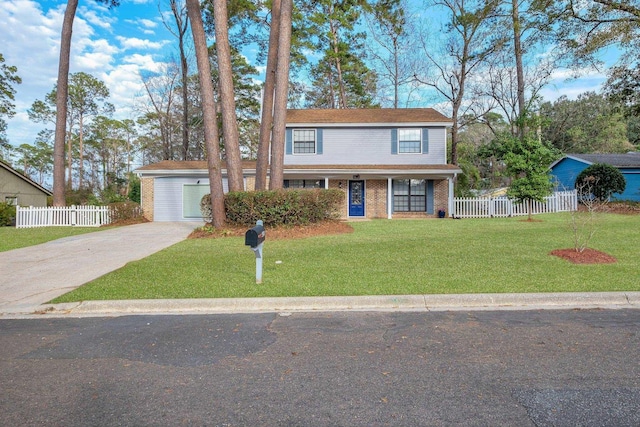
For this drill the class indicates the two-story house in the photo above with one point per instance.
(389, 163)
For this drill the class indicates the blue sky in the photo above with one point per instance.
(116, 46)
(113, 45)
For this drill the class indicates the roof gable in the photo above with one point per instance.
(367, 116)
(5, 166)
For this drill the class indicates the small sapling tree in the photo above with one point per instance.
(584, 222)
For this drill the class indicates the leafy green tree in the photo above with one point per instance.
(479, 171)
(340, 79)
(8, 78)
(604, 180)
(135, 191)
(36, 160)
(589, 124)
(87, 97)
(584, 27)
(527, 161)
(623, 88)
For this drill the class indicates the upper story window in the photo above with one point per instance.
(409, 141)
(304, 141)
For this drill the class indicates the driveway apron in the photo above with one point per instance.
(34, 275)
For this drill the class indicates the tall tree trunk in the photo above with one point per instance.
(343, 95)
(262, 164)
(61, 103)
(281, 92)
(81, 153)
(227, 98)
(396, 74)
(519, 68)
(69, 160)
(184, 66)
(185, 103)
(218, 216)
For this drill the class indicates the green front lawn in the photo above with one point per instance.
(15, 238)
(385, 258)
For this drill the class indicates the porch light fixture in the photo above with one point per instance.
(356, 176)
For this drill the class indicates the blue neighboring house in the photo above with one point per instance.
(565, 171)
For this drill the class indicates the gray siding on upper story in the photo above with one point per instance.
(369, 146)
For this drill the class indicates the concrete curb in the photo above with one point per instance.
(539, 301)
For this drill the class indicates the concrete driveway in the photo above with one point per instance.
(34, 275)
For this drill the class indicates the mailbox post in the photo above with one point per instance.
(254, 238)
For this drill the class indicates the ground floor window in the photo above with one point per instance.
(303, 183)
(409, 195)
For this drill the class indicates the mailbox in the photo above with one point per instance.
(255, 236)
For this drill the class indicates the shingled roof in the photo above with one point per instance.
(628, 160)
(370, 115)
(173, 165)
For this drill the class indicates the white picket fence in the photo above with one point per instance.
(489, 207)
(61, 216)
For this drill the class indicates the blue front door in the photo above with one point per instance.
(356, 198)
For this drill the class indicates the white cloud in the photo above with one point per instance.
(30, 40)
(92, 17)
(136, 43)
(143, 62)
(148, 23)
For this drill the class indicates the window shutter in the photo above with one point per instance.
(289, 142)
(318, 141)
(394, 141)
(425, 141)
(430, 210)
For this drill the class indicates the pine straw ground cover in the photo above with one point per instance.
(383, 257)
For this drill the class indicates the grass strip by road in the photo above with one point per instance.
(16, 238)
(384, 257)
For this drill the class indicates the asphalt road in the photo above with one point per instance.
(481, 368)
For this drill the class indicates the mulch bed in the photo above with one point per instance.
(588, 256)
(277, 233)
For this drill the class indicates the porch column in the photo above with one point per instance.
(450, 201)
(389, 198)
(326, 183)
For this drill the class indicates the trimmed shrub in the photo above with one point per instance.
(124, 211)
(7, 214)
(602, 180)
(279, 207)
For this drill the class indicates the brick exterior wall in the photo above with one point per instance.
(441, 196)
(250, 183)
(376, 198)
(146, 190)
(342, 185)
